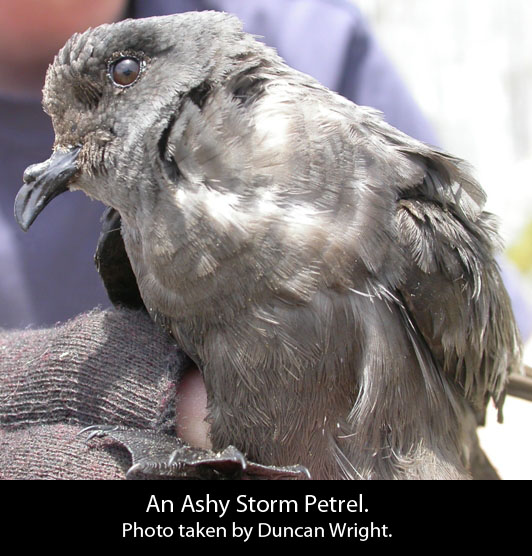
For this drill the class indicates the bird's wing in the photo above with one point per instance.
(452, 289)
(113, 264)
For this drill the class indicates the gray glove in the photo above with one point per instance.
(101, 367)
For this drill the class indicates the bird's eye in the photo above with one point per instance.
(125, 71)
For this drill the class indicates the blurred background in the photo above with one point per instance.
(468, 64)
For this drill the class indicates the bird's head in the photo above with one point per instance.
(111, 93)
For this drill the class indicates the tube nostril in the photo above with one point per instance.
(32, 172)
(29, 175)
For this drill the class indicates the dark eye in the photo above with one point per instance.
(125, 71)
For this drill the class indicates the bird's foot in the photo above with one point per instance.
(159, 455)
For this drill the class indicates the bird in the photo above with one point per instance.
(333, 279)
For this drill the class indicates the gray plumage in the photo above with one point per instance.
(333, 278)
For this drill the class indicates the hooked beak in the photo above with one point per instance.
(42, 183)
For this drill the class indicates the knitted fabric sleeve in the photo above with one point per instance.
(102, 367)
